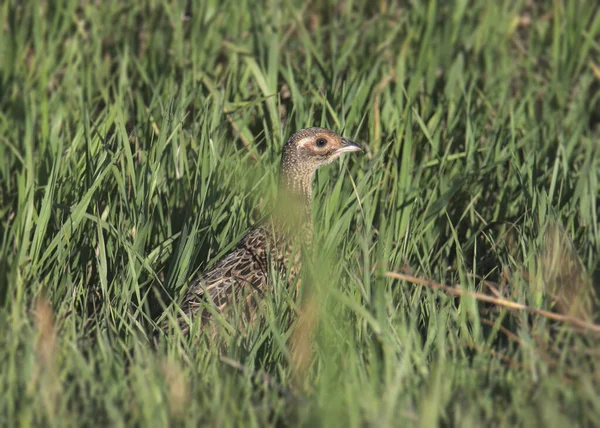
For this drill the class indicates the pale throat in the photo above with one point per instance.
(294, 206)
(295, 176)
(297, 184)
(294, 200)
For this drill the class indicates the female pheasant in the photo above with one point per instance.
(242, 274)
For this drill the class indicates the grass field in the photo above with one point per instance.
(140, 140)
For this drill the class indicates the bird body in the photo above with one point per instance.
(242, 274)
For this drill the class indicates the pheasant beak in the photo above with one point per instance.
(349, 146)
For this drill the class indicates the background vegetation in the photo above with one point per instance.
(139, 140)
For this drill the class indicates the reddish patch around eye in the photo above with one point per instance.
(320, 151)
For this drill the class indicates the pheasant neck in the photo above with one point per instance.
(294, 203)
(298, 185)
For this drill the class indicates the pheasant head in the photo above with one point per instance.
(306, 151)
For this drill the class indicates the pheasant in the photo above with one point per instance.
(242, 274)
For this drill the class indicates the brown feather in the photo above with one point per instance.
(243, 273)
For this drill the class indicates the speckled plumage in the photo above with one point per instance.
(242, 274)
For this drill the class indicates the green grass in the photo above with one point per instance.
(139, 141)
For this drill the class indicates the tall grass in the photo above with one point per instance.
(140, 140)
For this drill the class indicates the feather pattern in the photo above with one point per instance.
(243, 273)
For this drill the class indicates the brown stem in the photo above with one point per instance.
(459, 291)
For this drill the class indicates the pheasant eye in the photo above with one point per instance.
(321, 142)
